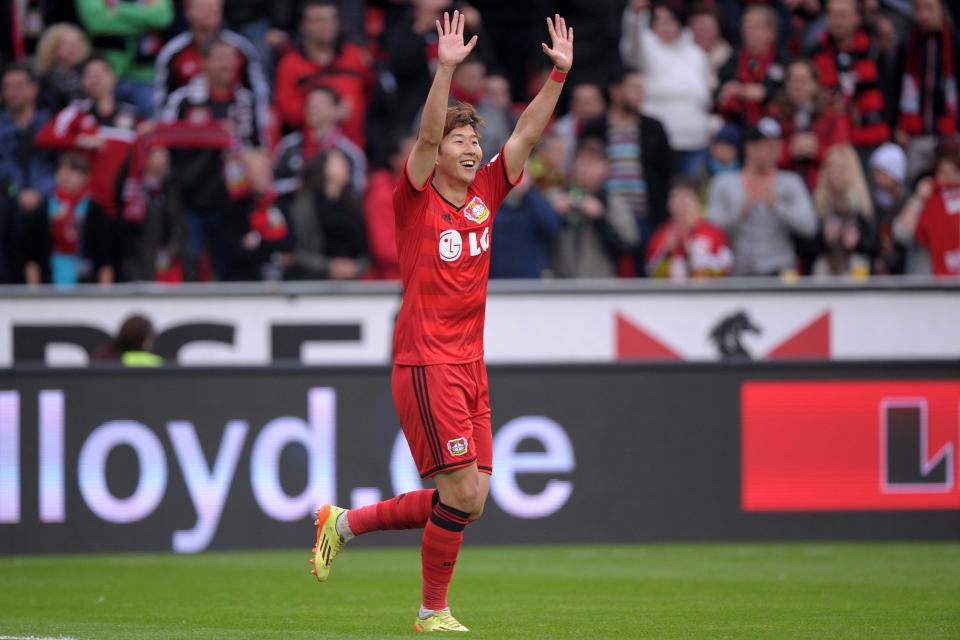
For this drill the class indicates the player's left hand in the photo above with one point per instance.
(561, 53)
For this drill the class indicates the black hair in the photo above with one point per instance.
(309, 4)
(208, 47)
(327, 90)
(681, 181)
(619, 73)
(74, 160)
(93, 58)
(19, 67)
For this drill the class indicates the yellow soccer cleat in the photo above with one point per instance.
(329, 543)
(439, 621)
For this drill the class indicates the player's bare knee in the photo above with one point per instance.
(464, 495)
(475, 515)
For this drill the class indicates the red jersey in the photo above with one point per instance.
(939, 230)
(444, 253)
(106, 165)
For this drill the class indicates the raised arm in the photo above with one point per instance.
(451, 51)
(535, 117)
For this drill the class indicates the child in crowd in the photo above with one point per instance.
(69, 239)
(687, 245)
(725, 150)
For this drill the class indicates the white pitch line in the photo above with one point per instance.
(35, 638)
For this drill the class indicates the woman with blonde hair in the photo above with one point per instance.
(60, 54)
(848, 230)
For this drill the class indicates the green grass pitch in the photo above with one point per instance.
(705, 591)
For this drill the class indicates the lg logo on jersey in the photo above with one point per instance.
(451, 244)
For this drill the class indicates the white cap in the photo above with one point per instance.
(890, 159)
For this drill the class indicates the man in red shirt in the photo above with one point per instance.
(324, 59)
(445, 205)
(931, 219)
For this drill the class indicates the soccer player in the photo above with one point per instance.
(445, 204)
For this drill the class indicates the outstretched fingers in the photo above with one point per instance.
(551, 29)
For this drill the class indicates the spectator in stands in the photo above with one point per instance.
(847, 237)
(324, 111)
(725, 150)
(707, 31)
(328, 227)
(640, 156)
(210, 178)
(523, 232)
(99, 126)
(60, 55)
(761, 208)
(324, 59)
(586, 103)
(25, 172)
(888, 175)
(411, 46)
(598, 226)
(754, 76)
(928, 104)
(678, 78)
(928, 224)
(127, 34)
(152, 246)
(265, 23)
(812, 120)
(259, 242)
(69, 238)
(845, 58)
(181, 59)
(494, 107)
(378, 211)
(132, 346)
(686, 245)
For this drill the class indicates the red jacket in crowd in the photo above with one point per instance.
(349, 75)
(703, 251)
(939, 230)
(116, 130)
(853, 73)
(830, 127)
(381, 227)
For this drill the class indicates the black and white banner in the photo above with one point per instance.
(353, 325)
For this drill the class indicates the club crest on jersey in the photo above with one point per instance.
(457, 446)
(476, 210)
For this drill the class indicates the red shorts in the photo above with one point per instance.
(444, 410)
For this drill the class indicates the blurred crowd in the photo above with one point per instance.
(198, 140)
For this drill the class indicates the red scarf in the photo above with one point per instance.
(267, 220)
(928, 101)
(67, 212)
(753, 70)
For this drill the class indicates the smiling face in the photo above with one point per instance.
(460, 154)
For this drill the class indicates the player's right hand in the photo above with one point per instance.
(451, 50)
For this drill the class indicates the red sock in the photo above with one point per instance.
(441, 544)
(405, 511)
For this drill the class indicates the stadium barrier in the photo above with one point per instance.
(104, 459)
(329, 323)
